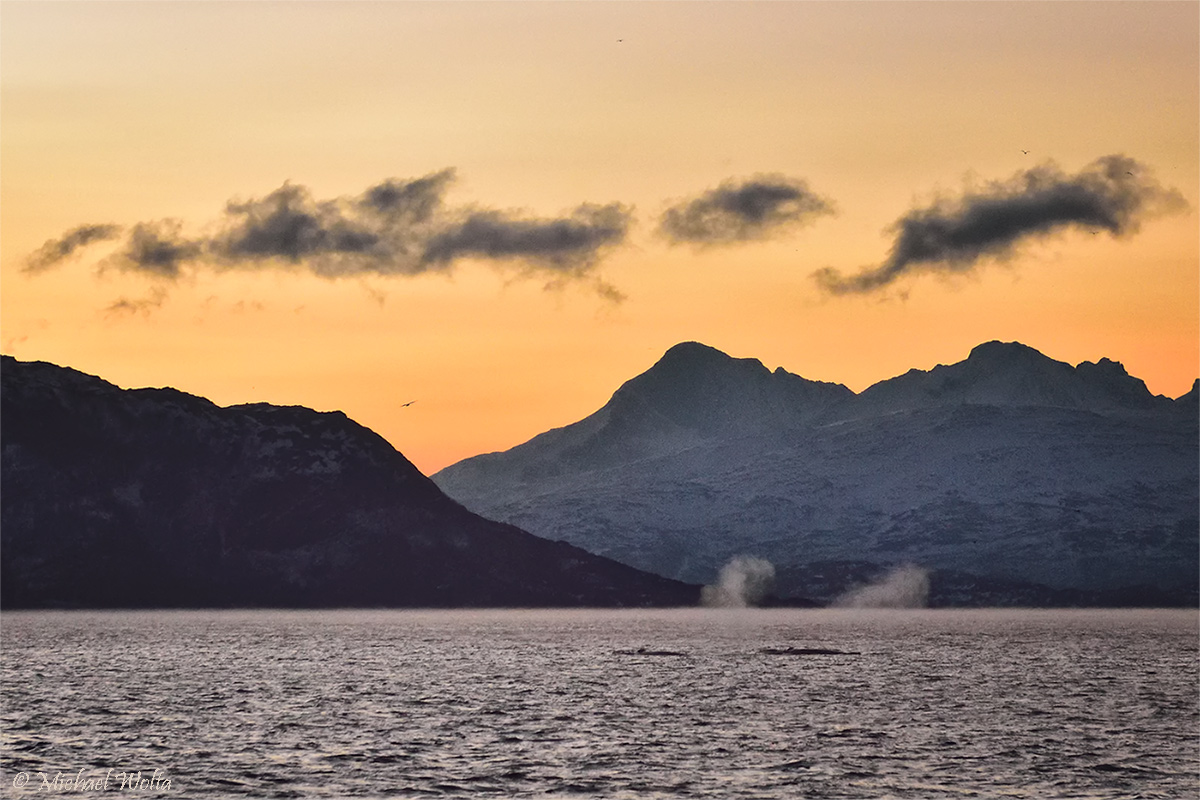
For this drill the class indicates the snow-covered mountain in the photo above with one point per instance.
(1009, 466)
(1011, 374)
(153, 497)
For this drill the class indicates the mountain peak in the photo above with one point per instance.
(692, 394)
(1005, 352)
(702, 389)
(1014, 374)
(688, 360)
(694, 352)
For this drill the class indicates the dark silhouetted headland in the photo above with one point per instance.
(156, 498)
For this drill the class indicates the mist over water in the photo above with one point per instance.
(906, 586)
(745, 581)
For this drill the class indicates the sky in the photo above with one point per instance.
(465, 223)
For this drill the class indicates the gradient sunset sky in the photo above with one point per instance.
(502, 211)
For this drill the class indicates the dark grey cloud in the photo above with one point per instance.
(382, 231)
(740, 211)
(396, 227)
(289, 225)
(568, 244)
(158, 249)
(56, 250)
(1114, 193)
(412, 201)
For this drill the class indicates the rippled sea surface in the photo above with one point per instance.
(561, 704)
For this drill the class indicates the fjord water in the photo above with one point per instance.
(604, 704)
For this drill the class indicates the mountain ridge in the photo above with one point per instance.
(157, 498)
(1011, 373)
(1008, 465)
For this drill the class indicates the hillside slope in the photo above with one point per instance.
(153, 497)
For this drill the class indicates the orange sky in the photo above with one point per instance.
(122, 114)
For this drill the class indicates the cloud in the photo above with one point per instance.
(157, 248)
(567, 244)
(414, 201)
(396, 227)
(145, 305)
(56, 250)
(743, 211)
(289, 225)
(609, 292)
(1114, 193)
(381, 232)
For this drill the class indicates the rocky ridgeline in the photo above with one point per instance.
(1014, 478)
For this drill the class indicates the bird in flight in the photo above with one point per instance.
(1026, 152)
(406, 405)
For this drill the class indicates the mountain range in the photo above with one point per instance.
(1013, 477)
(156, 498)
